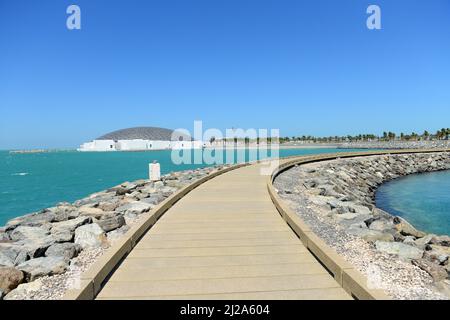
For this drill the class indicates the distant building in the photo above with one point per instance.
(141, 139)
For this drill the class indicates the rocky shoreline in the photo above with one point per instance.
(424, 144)
(44, 253)
(336, 199)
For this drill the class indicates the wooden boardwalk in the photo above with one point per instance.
(223, 240)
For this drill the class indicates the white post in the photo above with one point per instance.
(154, 171)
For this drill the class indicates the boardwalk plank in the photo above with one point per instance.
(223, 240)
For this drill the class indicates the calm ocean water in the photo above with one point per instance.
(422, 199)
(30, 182)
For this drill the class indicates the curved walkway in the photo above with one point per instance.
(223, 240)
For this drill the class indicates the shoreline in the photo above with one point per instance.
(334, 199)
(43, 254)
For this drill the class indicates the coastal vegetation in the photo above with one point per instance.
(386, 136)
(442, 134)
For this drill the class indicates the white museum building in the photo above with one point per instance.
(141, 139)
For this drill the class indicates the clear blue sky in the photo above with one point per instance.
(305, 67)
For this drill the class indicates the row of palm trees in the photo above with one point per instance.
(442, 134)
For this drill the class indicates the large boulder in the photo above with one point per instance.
(405, 228)
(422, 242)
(441, 240)
(35, 249)
(91, 212)
(44, 266)
(154, 199)
(12, 254)
(4, 236)
(134, 207)
(90, 236)
(351, 218)
(438, 254)
(10, 278)
(66, 250)
(62, 236)
(32, 220)
(370, 235)
(382, 225)
(108, 206)
(434, 270)
(69, 225)
(63, 212)
(28, 233)
(111, 222)
(24, 291)
(402, 250)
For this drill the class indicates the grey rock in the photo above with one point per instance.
(158, 184)
(62, 236)
(108, 206)
(347, 219)
(402, 250)
(4, 236)
(422, 242)
(28, 233)
(44, 266)
(91, 212)
(10, 278)
(405, 228)
(436, 271)
(63, 213)
(441, 240)
(439, 253)
(69, 225)
(370, 235)
(90, 236)
(116, 234)
(121, 191)
(111, 222)
(135, 207)
(32, 220)
(24, 290)
(381, 225)
(410, 240)
(154, 199)
(65, 250)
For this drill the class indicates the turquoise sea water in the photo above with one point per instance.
(30, 182)
(422, 199)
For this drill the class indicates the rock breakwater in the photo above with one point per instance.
(336, 198)
(424, 144)
(42, 254)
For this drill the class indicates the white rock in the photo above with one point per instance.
(90, 236)
(69, 225)
(404, 251)
(23, 291)
(39, 267)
